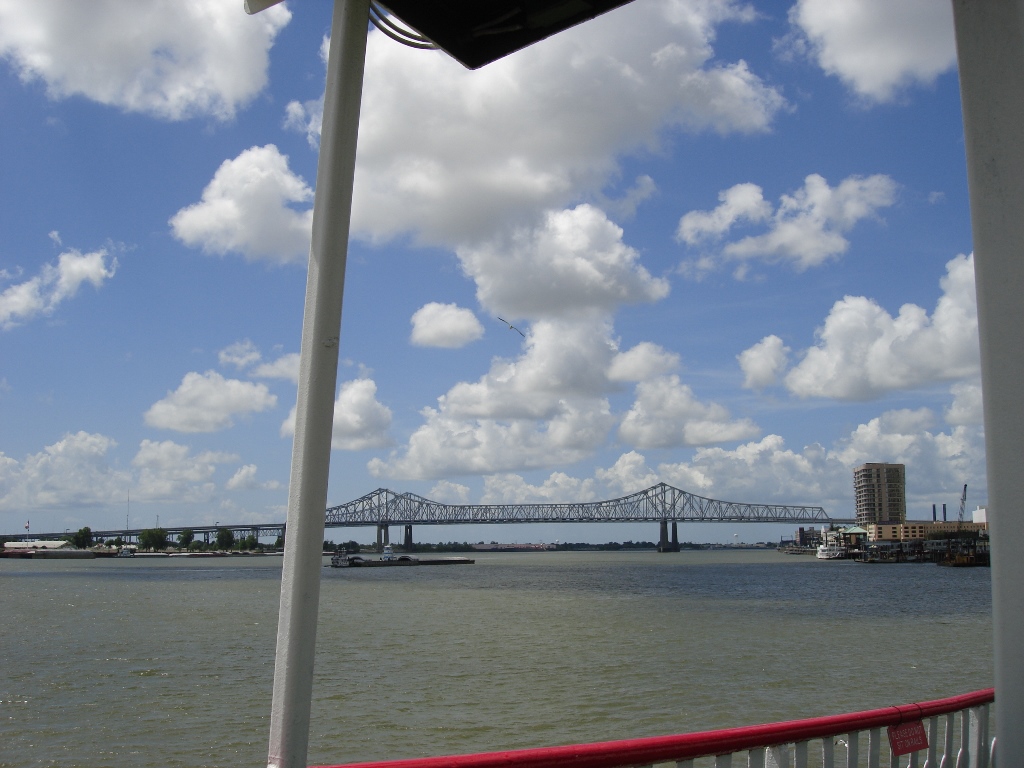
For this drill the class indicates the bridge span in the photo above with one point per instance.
(660, 503)
(382, 508)
(657, 503)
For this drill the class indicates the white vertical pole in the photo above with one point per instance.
(318, 373)
(990, 49)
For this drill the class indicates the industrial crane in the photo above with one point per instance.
(960, 517)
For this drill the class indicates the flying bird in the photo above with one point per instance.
(506, 322)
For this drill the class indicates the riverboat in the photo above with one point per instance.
(831, 552)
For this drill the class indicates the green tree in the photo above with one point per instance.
(225, 538)
(186, 537)
(248, 543)
(82, 539)
(153, 538)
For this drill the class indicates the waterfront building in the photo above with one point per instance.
(880, 494)
(807, 537)
(921, 529)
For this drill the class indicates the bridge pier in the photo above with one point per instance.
(407, 544)
(383, 536)
(664, 544)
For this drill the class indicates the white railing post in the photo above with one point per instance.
(828, 752)
(852, 749)
(933, 737)
(947, 744)
(874, 748)
(800, 754)
(963, 757)
(778, 756)
(979, 737)
(755, 758)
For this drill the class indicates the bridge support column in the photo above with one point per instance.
(407, 544)
(675, 536)
(663, 543)
(383, 536)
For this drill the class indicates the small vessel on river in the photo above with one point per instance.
(388, 558)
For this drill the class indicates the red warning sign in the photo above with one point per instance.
(907, 737)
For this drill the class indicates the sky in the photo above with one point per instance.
(732, 239)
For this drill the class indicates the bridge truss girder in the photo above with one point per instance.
(659, 502)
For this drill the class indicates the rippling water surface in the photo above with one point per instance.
(170, 662)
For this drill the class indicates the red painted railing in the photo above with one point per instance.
(665, 749)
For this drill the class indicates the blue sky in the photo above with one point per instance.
(736, 238)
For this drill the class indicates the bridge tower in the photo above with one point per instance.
(407, 544)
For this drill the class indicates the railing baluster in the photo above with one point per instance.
(963, 757)
(979, 736)
(947, 748)
(933, 737)
(913, 762)
(800, 754)
(828, 752)
(723, 761)
(874, 744)
(852, 749)
(755, 758)
(778, 756)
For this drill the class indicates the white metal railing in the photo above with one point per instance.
(956, 730)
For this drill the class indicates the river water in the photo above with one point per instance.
(169, 662)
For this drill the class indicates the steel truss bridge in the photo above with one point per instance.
(658, 503)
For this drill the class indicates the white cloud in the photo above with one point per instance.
(247, 208)
(444, 446)
(666, 414)
(628, 474)
(559, 488)
(285, 367)
(444, 325)
(643, 361)
(74, 472)
(764, 363)
(166, 471)
(742, 202)
(448, 492)
(245, 479)
(360, 420)
(173, 59)
(879, 47)
(207, 402)
(55, 283)
(864, 352)
(575, 262)
(767, 472)
(241, 354)
(806, 229)
(533, 132)
(966, 408)
(550, 406)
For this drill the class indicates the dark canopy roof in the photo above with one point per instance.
(476, 32)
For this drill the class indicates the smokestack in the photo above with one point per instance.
(933, 513)
(943, 513)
